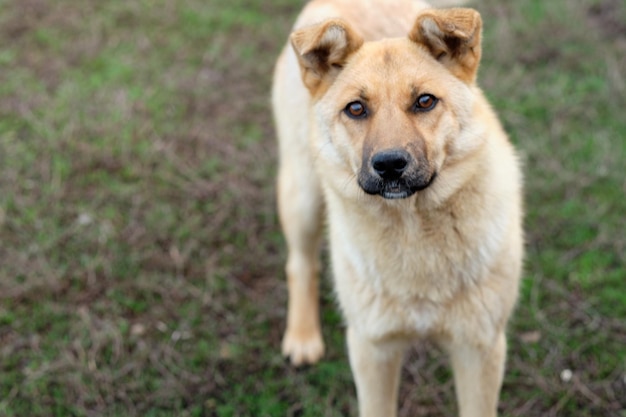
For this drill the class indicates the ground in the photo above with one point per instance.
(141, 261)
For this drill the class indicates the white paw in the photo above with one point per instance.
(303, 348)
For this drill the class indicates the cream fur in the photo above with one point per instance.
(443, 263)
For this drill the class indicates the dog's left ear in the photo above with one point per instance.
(453, 37)
(323, 49)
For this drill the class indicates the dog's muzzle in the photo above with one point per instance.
(394, 174)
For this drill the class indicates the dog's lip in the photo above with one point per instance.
(390, 195)
(429, 183)
(395, 191)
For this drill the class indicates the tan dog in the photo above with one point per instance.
(382, 126)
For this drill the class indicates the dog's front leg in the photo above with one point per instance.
(376, 369)
(478, 372)
(300, 208)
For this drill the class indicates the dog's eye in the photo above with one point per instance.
(425, 102)
(355, 110)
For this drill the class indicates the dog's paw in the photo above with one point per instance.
(303, 349)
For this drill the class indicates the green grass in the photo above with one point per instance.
(141, 261)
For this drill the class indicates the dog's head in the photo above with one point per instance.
(394, 110)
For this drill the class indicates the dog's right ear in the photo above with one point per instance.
(323, 49)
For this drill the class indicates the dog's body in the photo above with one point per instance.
(391, 137)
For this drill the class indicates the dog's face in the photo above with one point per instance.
(391, 113)
(394, 110)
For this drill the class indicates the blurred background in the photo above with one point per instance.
(141, 261)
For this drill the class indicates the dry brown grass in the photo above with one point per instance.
(140, 255)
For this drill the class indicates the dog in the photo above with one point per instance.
(385, 137)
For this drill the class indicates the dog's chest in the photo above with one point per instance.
(397, 274)
(412, 255)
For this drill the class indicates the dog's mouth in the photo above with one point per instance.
(395, 195)
(396, 189)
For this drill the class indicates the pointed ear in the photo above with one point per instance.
(323, 49)
(453, 37)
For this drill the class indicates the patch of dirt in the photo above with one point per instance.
(607, 16)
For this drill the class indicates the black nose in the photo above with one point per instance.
(391, 164)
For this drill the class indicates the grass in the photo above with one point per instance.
(141, 262)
